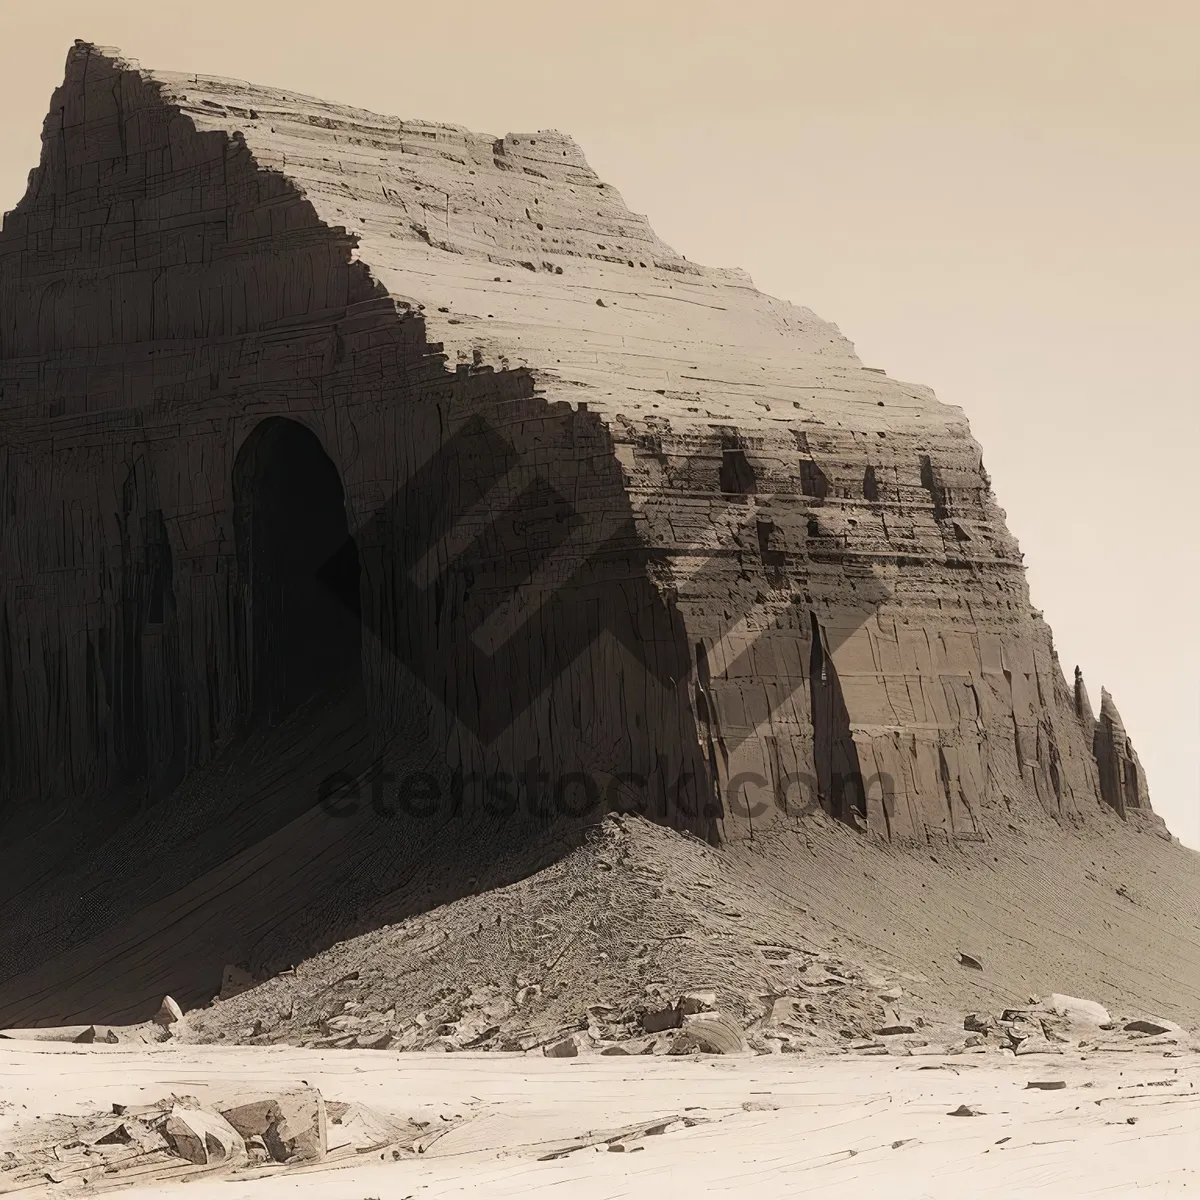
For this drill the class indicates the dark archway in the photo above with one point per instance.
(300, 564)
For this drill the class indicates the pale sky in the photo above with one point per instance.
(998, 200)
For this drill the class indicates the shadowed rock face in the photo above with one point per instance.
(411, 459)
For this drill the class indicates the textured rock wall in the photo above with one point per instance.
(186, 262)
(788, 491)
(627, 533)
(162, 296)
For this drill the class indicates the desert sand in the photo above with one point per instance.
(1120, 1124)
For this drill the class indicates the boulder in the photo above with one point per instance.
(1026, 1034)
(168, 1012)
(377, 1041)
(1017, 1026)
(121, 1135)
(565, 1048)
(256, 1150)
(1057, 1029)
(715, 1033)
(1036, 1045)
(134, 1134)
(691, 1003)
(671, 1041)
(894, 1023)
(787, 1011)
(1086, 1011)
(204, 1137)
(292, 1124)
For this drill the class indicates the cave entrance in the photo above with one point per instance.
(301, 568)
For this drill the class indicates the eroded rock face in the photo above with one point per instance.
(1122, 780)
(414, 455)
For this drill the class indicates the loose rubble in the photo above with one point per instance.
(178, 1137)
(640, 943)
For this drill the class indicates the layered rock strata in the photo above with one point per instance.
(298, 400)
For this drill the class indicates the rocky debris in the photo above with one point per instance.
(1046, 1085)
(900, 466)
(787, 1027)
(1055, 1022)
(257, 1150)
(714, 1033)
(691, 1003)
(969, 960)
(1035, 1045)
(935, 1049)
(611, 946)
(381, 1041)
(204, 1138)
(657, 1019)
(83, 1034)
(288, 1127)
(965, 1110)
(361, 1128)
(660, 1014)
(561, 956)
(291, 1124)
(867, 1046)
(121, 1135)
(138, 1136)
(1023, 1032)
(894, 1024)
(1086, 1011)
(163, 1026)
(235, 978)
(566, 1048)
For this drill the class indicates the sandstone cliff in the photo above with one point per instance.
(249, 340)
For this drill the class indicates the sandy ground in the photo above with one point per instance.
(1124, 1124)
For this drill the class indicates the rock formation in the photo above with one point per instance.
(344, 456)
(1122, 780)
